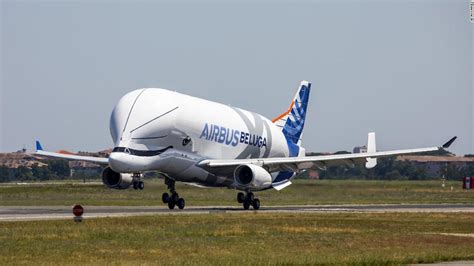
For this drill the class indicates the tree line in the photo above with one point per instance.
(56, 169)
(388, 168)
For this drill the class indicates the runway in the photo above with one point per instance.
(31, 213)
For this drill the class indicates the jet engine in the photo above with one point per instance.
(112, 179)
(252, 176)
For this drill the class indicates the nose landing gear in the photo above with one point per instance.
(137, 183)
(248, 200)
(173, 199)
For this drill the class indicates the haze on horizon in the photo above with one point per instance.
(401, 69)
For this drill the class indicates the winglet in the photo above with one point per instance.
(371, 143)
(38, 146)
(447, 144)
(371, 148)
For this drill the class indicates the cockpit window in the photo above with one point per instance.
(120, 149)
(139, 152)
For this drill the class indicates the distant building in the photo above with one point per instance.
(434, 165)
(362, 149)
(17, 159)
(313, 174)
(85, 168)
(20, 158)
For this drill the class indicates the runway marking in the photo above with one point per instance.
(455, 234)
(27, 213)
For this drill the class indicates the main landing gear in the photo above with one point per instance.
(172, 200)
(248, 200)
(137, 183)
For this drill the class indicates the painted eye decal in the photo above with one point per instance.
(186, 141)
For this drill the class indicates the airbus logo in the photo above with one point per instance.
(231, 137)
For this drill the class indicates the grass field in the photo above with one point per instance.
(250, 238)
(301, 192)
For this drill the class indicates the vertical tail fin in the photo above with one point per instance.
(292, 121)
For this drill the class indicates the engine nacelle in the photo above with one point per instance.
(112, 179)
(252, 176)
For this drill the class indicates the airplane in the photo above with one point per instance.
(208, 144)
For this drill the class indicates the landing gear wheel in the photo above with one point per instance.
(172, 200)
(240, 197)
(165, 198)
(174, 197)
(137, 184)
(250, 197)
(171, 205)
(181, 203)
(256, 204)
(246, 205)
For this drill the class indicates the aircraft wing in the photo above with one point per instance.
(72, 157)
(312, 162)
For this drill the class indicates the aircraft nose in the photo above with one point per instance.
(120, 115)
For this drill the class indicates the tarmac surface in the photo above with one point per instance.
(32, 213)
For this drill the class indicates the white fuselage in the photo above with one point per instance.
(157, 129)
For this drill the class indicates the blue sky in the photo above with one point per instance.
(402, 69)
